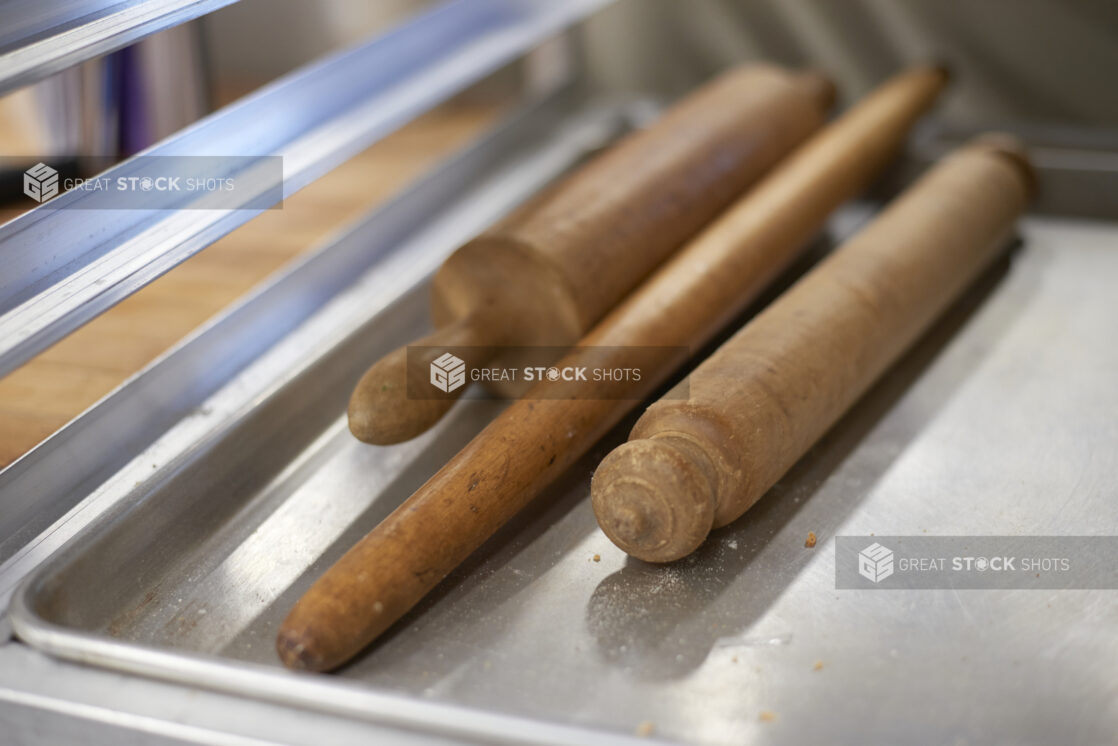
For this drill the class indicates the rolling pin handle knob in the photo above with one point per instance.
(382, 412)
(630, 522)
(1013, 150)
(822, 87)
(656, 498)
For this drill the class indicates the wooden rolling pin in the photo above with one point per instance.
(532, 442)
(547, 273)
(761, 401)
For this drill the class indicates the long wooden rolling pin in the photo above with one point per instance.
(547, 273)
(761, 401)
(532, 442)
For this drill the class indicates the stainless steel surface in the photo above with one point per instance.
(42, 37)
(59, 487)
(314, 119)
(180, 517)
(1002, 421)
(47, 701)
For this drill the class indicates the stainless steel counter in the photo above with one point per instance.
(150, 549)
(1004, 420)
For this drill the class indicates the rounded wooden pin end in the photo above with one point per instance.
(654, 499)
(943, 67)
(380, 411)
(821, 86)
(295, 651)
(1012, 149)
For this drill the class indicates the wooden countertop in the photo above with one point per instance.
(66, 379)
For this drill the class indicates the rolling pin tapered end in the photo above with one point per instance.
(380, 410)
(294, 652)
(822, 87)
(311, 640)
(1014, 151)
(394, 401)
(941, 66)
(655, 498)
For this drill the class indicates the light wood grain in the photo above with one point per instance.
(547, 273)
(680, 306)
(769, 393)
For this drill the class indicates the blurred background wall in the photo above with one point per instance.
(1018, 62)
(1038, 61)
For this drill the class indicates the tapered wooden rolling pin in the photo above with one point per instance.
(546, 274)
(683, 303)
(761, 401)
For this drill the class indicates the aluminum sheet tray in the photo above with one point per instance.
(1002, 420)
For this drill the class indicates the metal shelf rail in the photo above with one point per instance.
(42, 37)
(61, 265)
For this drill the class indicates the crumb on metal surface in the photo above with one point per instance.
(767, 716)
(645, 729)
(810, 540)
(597, 558)
(818, 666)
